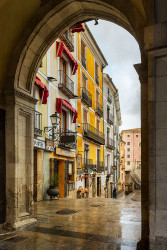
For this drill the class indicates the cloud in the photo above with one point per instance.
(121, 52)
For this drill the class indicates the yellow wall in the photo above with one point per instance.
(92, 86)
(91, 64)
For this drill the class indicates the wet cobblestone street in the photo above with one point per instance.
(92, 223)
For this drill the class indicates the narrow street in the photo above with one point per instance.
(92, 223)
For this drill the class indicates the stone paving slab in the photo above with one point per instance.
(98, 223)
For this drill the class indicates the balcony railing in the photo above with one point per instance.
(88, 164)
(99, 166)
(97, 79)
(67, 139)
(99, 109)
(110, 118)
(110, 143)
(83, 61)
(66, 85)
(37, 123)
(93, 134)
(86, 97)
(68, 39)
(109, 98)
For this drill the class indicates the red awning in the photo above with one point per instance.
(78, 28)
(60, 102)
(43, 91)
(61, 47)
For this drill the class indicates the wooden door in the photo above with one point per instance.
(2, 168)
(99, 186)
(98, 125)
(82, 49)
(97, 98)
(63, 121)
(85, 119)
(84, 81)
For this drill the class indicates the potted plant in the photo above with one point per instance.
(53, 189)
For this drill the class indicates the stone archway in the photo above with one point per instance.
(47, 23)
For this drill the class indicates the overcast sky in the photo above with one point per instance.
(121, 52)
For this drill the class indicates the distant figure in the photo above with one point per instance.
(114, 193)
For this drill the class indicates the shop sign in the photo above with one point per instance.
(80, 171)
(49, 145)
(79, 161)
(63, 152)
(39, 144)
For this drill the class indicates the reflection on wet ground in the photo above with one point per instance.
(97, 223)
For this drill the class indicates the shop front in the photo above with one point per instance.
(62, 163)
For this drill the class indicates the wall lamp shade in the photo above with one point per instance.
(55, 118)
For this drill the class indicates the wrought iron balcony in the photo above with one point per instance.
(93, 134)
(109, 98)
(86, 97)
(67, 139)
(110, 118)
(99, 109)
(66, 85)
(97, 79)
(83, 60)
(37, 123)
(99, 166)
(110, 143)
(88, 164)
(68, 39)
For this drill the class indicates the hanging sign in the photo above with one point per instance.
(49, 145)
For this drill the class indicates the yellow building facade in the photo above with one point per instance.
(90, 137)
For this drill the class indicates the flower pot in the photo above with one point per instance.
(52, 191)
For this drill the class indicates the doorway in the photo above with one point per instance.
(2, 168)
(99, 186)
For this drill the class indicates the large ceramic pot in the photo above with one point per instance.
(53, 191)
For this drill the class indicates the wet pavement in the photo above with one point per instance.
(90, 223)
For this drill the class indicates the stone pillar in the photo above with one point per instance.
(38, 175)
(142, 70)
(156, 48)
(19, 158)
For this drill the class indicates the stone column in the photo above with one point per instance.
(19, 158)
(142, 70)
(156, 48)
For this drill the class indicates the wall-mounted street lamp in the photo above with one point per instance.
(51, 79)
(55, 120)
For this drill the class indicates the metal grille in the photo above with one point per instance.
(37, 123)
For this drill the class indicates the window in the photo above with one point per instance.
(122, 176)
(63, 120)
(128, 162)
(128, 135)
(128, 143)
(128, 149)
(97, 73)
(139, 166)
(139, 144)
(128, 156)
(137, 136)
(98, 125)
(85, 116)
(84, 81)
(83, 54)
